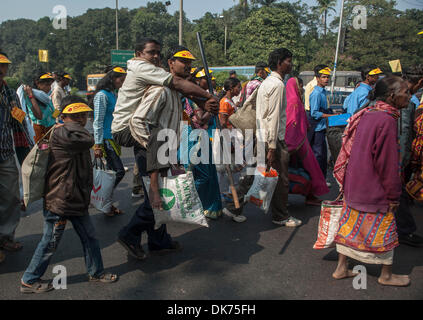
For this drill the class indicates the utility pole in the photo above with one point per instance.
(226, 36)
(181, 10)
(337, 49)
(117, 26)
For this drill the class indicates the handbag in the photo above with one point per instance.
(330, 214)
(245, 117)
(34, 169)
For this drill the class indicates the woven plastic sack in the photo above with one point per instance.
(262, 189)
(330, 213)
(181, 202)
(102, 192)
(34, 169)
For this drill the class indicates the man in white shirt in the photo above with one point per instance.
(271, 124)
(143, 71)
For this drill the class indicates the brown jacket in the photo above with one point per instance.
(69, 179)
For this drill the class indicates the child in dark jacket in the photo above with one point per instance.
(69, 181)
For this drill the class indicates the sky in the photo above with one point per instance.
(30, 9)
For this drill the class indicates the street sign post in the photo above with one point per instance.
(120, 57)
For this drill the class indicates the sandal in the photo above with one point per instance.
(105, 278)
(36, 287)
(114, 212)
(12, 246)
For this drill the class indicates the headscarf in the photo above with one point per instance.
(296, 118)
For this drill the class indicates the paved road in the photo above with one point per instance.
(252, 260)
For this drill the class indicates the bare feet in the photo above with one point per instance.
(394, 280)
(343, 273)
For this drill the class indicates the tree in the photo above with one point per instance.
(324, 6)
(265, 30)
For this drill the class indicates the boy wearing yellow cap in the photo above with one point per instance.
(319, 111)
(69, 181)
(14, 137)
(358, 98)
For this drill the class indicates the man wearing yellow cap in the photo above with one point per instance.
(358, 98)
(13, 137)
(69, 181)
(319, 111)
(160, 109)
(59, 91)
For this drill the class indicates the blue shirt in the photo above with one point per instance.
(357, 98)
(319, 106)
(104, 105)
(415, 100)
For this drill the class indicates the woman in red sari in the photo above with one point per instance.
(298, 145)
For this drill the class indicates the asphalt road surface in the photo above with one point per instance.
(251, 260)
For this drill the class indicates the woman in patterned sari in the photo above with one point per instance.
(205, 175)
(415, 186)
(368, 172)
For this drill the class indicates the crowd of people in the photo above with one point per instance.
(130, 107)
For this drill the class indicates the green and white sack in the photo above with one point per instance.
(181, 202)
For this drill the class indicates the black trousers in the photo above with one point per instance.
(143, 219)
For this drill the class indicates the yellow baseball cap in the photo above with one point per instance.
(46, 76)
(202, 73)
(185, 54)
(119, 70)
(67, 76)
(326, 70)
(421, 32)
(267, 70)
(4, 59)
(375, 72)
(76, 108)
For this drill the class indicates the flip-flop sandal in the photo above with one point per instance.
(105, 278)
(36, 287)
(12, 246)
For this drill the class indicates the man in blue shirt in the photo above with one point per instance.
(319, 111)
(358, 98)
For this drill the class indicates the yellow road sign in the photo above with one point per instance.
(43, 55)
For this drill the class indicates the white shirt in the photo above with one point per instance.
(271, 110)
(140, 75)
(307, 92)
(161, 108)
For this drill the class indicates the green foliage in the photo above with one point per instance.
(12, 82)
(265, 30)
(254, 28)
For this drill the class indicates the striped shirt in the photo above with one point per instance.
(11, 131)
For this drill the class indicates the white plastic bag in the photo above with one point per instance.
(104, 182)
(261, 191)
(181, 202)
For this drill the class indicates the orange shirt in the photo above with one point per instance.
(227, 107)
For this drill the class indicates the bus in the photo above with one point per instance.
(92, 80)
(345, 83)
(247, 71)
